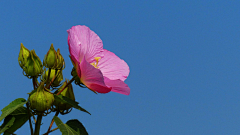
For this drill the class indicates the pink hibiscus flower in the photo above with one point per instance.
(98, 69)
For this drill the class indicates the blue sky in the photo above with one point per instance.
(183, 58)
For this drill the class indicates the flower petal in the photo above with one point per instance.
(113, 67)
(117, 86)
(95, 48)
(92, 78)
(84, 42)
(76, 49)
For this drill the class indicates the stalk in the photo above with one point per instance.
(38, 124)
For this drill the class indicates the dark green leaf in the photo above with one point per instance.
(19, 121)
(12, 107)
(8, 122)
(21, 116)
(64, 128)
(69, 101)
(77, 126)
(20, 110)
(14, 121)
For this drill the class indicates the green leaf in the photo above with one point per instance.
(12, 107)
(8, 122)
(21, 116)
(69, 101)
(14, 121)
(64, 128)
(77, 126)
(19, 121)
(20, 110)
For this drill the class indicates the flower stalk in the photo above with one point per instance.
(38, 125)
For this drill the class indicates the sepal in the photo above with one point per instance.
(60, 61)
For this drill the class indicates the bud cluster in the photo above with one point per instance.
(41, 99)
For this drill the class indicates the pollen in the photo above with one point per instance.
(95, 64)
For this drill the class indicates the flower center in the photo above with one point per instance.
(95, 64)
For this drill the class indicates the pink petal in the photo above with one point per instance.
(113, 67)
(92, 77)
(95, 48)
(84, 42)
(76, 49)
(117, 86)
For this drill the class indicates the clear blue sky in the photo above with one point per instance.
(184, 59)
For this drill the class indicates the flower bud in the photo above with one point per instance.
(50, 59)
(54, 74)
(23, 55)
(60, 61)
(41, 99)
(33, 65)
(67, 92)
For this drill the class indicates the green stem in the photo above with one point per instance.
(34, 82)
(38, 124)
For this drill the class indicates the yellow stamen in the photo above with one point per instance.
(95, 64)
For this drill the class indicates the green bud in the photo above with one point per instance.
(23, 55)
(67, 92)
(41, 99)
(60, 61)
(33, 65)
(54, 74)
(50, 59)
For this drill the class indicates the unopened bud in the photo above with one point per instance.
(33, 66)
(41, 99)
(23, 55)
(50, 59)
(54, 74)
(67, 92)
